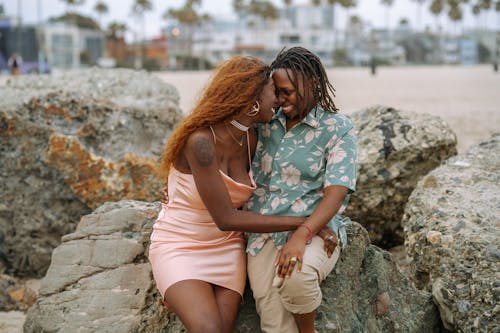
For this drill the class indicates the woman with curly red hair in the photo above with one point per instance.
(197, 250)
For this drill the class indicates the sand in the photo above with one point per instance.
(466, 97)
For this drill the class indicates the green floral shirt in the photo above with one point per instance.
(291, 169)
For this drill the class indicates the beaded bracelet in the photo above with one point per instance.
(309, 234)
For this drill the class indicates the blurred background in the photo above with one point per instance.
(157, 35)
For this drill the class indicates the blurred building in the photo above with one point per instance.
(23, 40)
(68, 46)
(305, 25)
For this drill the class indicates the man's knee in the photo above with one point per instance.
(301, 293)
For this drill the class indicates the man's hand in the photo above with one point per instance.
(330, 239)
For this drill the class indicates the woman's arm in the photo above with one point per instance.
(202, 160)
(333, 197)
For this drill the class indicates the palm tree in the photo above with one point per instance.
(264, 10)
(139, 9)
(455, 14)
(418, 21)
(116, 30)
(101, 8)
(343, 3)
(288, 4)
(189, 17)
(73, 3)
(436, 8)
(388, 4)
(115, 41)
(239, 8)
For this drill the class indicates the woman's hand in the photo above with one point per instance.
(291, 254)
(330, 239)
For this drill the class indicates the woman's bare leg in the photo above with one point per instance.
(228, 301)
(195, 303)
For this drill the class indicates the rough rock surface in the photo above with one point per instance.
(396, 149)
(15, 295)
(452, 233)
(99, 277)
(70, 143)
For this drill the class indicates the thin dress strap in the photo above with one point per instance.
(248, 149)
(213, 133)
(250, 160)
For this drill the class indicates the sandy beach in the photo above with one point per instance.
(466, 97)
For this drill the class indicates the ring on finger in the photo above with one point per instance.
(293, 259)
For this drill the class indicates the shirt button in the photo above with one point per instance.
(282, 148)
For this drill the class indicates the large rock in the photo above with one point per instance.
(99, 279)
(70, 143)
(452, 232)
(396, 149)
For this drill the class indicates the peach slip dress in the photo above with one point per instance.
(187, 244)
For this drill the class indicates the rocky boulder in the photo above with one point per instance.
(452, 235)
(70, 143)
(100, 278)
(395, 149)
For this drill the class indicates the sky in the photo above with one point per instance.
(368, 10)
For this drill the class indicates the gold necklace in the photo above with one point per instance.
(240, 142)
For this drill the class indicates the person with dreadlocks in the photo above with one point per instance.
(304, 165)
(197, 251)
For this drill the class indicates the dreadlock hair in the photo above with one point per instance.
(305, 63)
(233, 88)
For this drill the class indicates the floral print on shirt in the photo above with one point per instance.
(291, 169)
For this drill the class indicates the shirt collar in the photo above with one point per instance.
(311, 119)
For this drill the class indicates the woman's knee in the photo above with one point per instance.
(206, 325)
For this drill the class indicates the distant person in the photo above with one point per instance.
(373, 66)
(197, 249)
(305, 164)
(14, 63)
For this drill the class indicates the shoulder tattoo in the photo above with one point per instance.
(203, 151)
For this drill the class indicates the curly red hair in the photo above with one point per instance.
(234, 88)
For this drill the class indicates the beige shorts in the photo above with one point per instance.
(299, 294)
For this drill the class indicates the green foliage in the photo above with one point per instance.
(343, 3)
(85, 57)
(455, 8)
(74, 2)
(116, 29)
(101, 8)
(262, 8)
(187, 14)
(79, 20)
(139, 7)
(484, 54)
(340, 57)
(151, 65)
